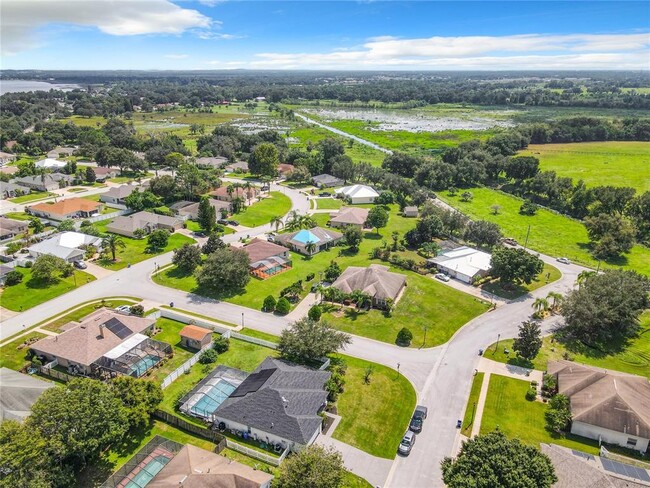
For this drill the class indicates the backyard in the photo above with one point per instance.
(260, 213)
(170, 334)
(13, 357)
(550, 233)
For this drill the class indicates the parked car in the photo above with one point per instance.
(511, 241)
(564, 260)
(233, 222)
(407, 443)
(418, 418)
(442, 277)
(200, 234)
(124, 309)
(80, 265)
(265, 188)
(270, 238)
(222, 222)
(325, 194)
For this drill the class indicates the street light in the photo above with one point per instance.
(495, 347)
(398, 365)
(242, 320)
(425, 336)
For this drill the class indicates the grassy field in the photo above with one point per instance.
(81, 312)
(329, 203)
(468, 420)
(550, 233)
(18, 215)
(634, 358)
(135, 251)
(426, 303)
(32, 197)
(13, 357)
(548, 275)
(621, 163)
(374, 415)
(31, 292)
(260, 213)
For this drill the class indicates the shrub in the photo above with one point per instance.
(404, 337)
(334, 386)
(221, 344)
(283, 306)
(137, 310)
(13, 278)
(269, 304)
(67, 271)
(29, 264)
(208, 356)
(315, 313)
(531, 395)
(310, 277)
(528, 208)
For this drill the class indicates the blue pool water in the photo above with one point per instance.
(142, 366)
(210, 400)
(305, 236)
(147, 473)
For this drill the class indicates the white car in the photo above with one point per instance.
(564, 260)
(407, 443)
(123, 309)
(441, 277)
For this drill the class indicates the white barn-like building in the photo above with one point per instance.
(463, 263)
(358, 194)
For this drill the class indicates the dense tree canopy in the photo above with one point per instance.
(315, 466)
(224, 270)
(515, 265)
(308, 340)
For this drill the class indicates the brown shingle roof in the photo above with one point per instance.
(607, 399)
(351, 215)
(375, 280)
(258, 250)
(87, 342)
(194, 332)
(68, 206)
(193, 467)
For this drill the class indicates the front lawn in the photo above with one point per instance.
(633, 358)
(13, 357)
(328, 203)
(374, 415)
(548, 275)
(32, 197)
(425, 303)
(136, 251)
(260, 213)
(31, 292)
(18, 215)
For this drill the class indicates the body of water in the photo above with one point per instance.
(16, 86)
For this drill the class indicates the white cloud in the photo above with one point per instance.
(177, 56)
(210, 3)
(528, 51)
(219, 36)
(21, 19)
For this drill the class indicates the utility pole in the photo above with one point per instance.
(527, 234)
(242, 320)
(424, 342)
(495, 347)
(398, 369)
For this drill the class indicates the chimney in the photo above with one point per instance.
(101, 330)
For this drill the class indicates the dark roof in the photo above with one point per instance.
(279, 398)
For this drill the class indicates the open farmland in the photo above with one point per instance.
(597, 163)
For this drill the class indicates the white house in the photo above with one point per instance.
(358, 193)
(463, 263)
(50, 163)
(67, 246)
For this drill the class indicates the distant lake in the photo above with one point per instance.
(15, 86)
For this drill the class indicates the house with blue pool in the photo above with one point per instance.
(104, 344)
(310, 241)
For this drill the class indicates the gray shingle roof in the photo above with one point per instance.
(18, 392)
(286, 403)
(375, 280)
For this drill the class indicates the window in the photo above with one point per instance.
(631, 442)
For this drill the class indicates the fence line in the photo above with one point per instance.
(204, 433)
(98, 218)
(253, 340)
(170, 378)
(187, 319)
(254, 453)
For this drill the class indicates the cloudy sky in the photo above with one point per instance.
(351, 35)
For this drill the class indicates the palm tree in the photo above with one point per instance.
(248, 187)
(395, 236)
(540, 305)
(112, 243)
(584, 276)
(556, 299)
(310, 247)
(276, 222)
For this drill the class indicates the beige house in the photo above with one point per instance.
(375, 280)
(355, 216)
(11, 228)
(222, 193)
(267, 259)
(6, 158)
(147, 221)
(606, 405)
(191, 209)
(195, 337)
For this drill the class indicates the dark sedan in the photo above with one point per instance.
(418, 418)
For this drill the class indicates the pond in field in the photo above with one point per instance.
(257, 123)
(386, 120)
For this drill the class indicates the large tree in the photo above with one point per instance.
(213, 243)
(529, 341)
(158, 239)
(207, 215)
(606, 306)
(139, 397)
(111, 243)
(522, 167)
(483, 233)
(47, 268)
(264, 160)
(187, 258)
(307, 340)
(142, 200)
(353, 236)
(611, 235)
(377, 217)
(515, 265)
(493, 460)
(225, 270)
(315, 466)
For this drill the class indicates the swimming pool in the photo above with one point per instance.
(148, 472)
(144, 365)
(212, 398)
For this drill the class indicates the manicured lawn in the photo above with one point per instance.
(192, 225)
(259, 335)
(170, 334)
(426, 303)
(31, 292)
(194, 314)
(328, 203)
(260, 213)
(18, 215)
(507, 408)
(351, 480)
(32, 197)
(619, 163)
(548, 275)
(634, 359)
(80, 313)
(550, 233)
(468, 420)
(135, 251)
(95, 198)
(14, 358)
(374, 415)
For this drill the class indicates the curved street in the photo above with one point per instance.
(441, 375)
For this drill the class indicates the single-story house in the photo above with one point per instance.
(105, 343)
(6, 158)
(11, 228)
(9, 170)
(213, 162)
(237, 167)
(11, 190)
(4, 271)
(278, 403)
(117, 194)
(606, 405)
(411, 211)
(355, 216)
(191, 209)
(267, 259)
(375, 280)
(247, 194)
(103, 173)
(67, 246)
(51, 181)
(285, 169)
(58, 152)
(50, 163)
(19, 392)
(463, 263)
(298, 241)
(126, 225)
(357, 194)
(70, 208)
(195, 337)
(326, 181)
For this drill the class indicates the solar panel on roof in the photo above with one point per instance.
(118, 328)
(252, 383)
(625, 469)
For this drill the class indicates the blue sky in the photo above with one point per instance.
(212, 34)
